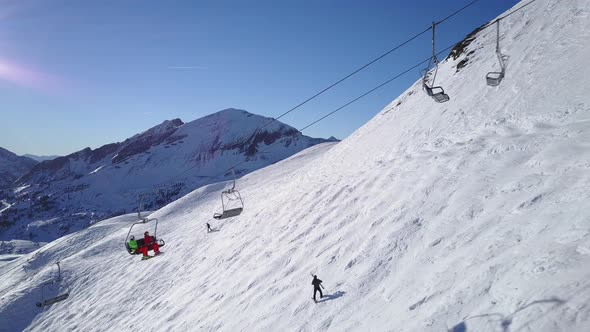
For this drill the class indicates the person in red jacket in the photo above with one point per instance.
(149, 242)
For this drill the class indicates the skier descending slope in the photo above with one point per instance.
(317, 283)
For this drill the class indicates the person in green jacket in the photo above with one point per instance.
(132, 244)
(134, 247)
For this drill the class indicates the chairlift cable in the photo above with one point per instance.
(415, 66)
(365, 66)
(357, 98)
(363, 95)
(376, 59)
(353, 73)
(458, 11)
(376, 88)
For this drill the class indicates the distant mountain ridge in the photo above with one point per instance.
(167, 161)
(13, 166)
(39, 158)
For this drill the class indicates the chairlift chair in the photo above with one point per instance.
(226, 197)
(140, 239)
(436, 92)
(46, 300)
(495, 78)
(229, 209)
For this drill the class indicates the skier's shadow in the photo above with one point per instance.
(330, 297)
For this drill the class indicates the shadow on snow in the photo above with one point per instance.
(330, 297)
(504, 321)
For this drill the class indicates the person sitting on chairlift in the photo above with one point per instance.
(149, 243)
(134, 247)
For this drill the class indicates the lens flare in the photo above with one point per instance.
(26, 77)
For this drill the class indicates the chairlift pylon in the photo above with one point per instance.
(436, 92)
(50, 285)
(228, 196)
(495, 78)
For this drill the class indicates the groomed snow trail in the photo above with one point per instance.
(471, 215)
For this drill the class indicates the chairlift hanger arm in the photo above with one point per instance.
(234, 175)
(497, 35)
(434, 61)
(495, 78)
(433, 43)
(498, 52)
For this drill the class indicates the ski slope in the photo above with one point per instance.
(473, 215)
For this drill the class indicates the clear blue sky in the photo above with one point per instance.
(76, 74)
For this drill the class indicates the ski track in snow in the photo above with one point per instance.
(466, 216)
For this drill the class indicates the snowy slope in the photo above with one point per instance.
(68, 193)
(465, 216)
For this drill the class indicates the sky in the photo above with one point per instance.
(76, 74)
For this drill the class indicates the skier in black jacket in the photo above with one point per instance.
(317, 283)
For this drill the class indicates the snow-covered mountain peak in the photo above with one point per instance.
(233, 112)
(228, 114)
(233, 119)
(166, 126)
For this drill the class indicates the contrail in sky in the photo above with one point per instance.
(187, 67)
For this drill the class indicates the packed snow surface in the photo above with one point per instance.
(471, 215)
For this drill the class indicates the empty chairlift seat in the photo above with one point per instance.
(436, 92)
(494, 78)
(231, 203)
(54, 291)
